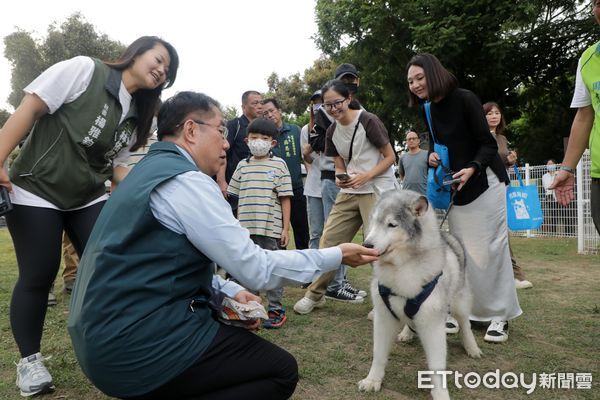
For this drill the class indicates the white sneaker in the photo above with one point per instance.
(523, 284)
(306, 305)
(497, 332)
(51, 299)
(451, 324)
(33, 377)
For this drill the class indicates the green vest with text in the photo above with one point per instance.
(68, 155)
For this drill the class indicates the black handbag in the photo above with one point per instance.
(5, 204)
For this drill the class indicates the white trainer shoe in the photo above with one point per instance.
(451, 325)
(306, 305)
(497, 332)
(33, 377)
(524, 284)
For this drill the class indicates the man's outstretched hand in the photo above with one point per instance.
(354, 254)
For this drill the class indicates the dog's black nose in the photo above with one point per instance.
(368, 245)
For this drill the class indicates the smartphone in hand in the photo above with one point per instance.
(450, 181)
(343, 177)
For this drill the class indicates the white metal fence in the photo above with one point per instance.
(559, 221)
(573, 221)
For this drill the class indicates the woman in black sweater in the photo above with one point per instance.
(478, 217)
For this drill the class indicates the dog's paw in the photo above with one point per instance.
(369, 385)
(474, 352)
(406, 335)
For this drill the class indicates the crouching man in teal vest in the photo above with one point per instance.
(140, 320)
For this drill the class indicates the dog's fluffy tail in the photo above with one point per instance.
(457, 248)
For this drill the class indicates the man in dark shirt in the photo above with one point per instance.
(288, 148)
(238, 150)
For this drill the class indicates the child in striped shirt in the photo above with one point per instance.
(264, 188)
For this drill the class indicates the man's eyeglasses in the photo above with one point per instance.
(411, 138)
(335, 105)
(221, 128)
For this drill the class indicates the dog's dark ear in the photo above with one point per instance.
(421, 206)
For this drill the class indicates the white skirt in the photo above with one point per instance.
(481, 227)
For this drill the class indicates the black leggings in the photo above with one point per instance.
(299, 219)
(238, 364)
(37, 236)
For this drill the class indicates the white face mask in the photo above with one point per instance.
(259, 147)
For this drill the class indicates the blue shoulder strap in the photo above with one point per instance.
(518, 174)
(429, 122)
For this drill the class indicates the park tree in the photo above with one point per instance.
(289, 92)
(317, 74)
(293, 92)
(4, 115)
(521, 54)
(22, 52)
(75, 36)
(229, 113)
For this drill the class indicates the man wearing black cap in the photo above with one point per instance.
(348, 74)
(312, 183)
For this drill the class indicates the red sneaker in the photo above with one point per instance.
(276, 319)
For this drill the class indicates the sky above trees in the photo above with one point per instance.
(225, 46)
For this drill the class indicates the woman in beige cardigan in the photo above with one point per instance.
(493, 114)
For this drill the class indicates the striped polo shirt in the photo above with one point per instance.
(259, 184)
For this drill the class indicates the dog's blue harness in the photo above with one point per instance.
(411, 308)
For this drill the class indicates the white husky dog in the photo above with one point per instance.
(418, 279)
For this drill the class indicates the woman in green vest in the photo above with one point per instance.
(85, 116)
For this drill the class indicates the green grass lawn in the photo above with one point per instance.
(559, 332)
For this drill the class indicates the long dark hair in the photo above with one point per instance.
(440, 81)
(487, 107)
(146, 100)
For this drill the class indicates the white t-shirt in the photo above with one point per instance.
(547, 180)
(365, 154)
(312, 184)
(60, 84)
(581, 95)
